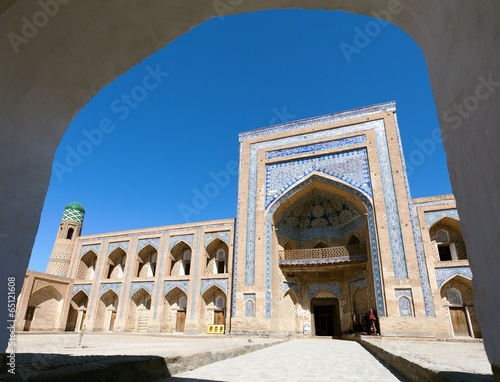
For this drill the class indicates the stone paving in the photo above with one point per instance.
(294, 360)
(297, 360)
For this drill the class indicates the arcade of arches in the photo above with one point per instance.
(327, 233)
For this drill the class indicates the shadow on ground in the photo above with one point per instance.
(457, 376)
(34, 367)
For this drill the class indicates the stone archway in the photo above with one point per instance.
(40, 100)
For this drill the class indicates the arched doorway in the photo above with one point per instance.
(174, 311)
(77, 312)
(213, 307)
(138, 311)
(324, 244)
(44, 309)
(106, 312)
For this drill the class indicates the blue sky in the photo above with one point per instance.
(173, 120)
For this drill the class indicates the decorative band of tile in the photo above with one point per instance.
(146, 285)
(154, 242)
(188, 239)
(206, 284)
(329, 118)
(355, 283)
(87, 248)
(121, 244)
(432, 217)
(337, 143)
(115, 287)
(181, 284)
(330, 287)
(445, 274)
(333, 260)
(81, 287)
(211, 236)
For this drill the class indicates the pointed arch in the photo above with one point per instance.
(217, 253)
(87, 266)
(365, 203)
(213, 306)
(44, 309)
(116, 264)
(138, 311)
(106, 311)
(174, 310)
(147, 259)
(77, 311)
(180, 256)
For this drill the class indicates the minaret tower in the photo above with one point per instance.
(69, 229)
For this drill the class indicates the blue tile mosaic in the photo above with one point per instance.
(206, 284)
(183, 285)
(154, 242)
(235, 249)
(316, 147)
(87, 248)
(355, 283)
(432, 217)
(188, 239)
(391, 206)
(250, 308)
(211, 236)
(445, 274)
(330, 118)
(146, 285)
(81, 287)
(330, 287)
(195, 278)
(119, 244)
(349, 166)
(115, 287)
(404, 304)
(417, 234)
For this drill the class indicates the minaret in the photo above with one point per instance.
(69, 229)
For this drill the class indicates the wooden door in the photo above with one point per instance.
(218, 317)
(181, 321)
(112, 321)
(459, 321)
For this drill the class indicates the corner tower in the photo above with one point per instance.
(69, 229)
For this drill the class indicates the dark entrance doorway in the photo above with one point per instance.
(326, 316)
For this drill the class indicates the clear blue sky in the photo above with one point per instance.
(227, 76)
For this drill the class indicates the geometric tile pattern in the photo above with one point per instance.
(85, 287)
(114, 287)
(433, 216)
(330, 287)
(349, 166)
(146, 285)
(122, 244)
(392, 213)
(417, 234)
(316, 147)
(444, 274)
(249, 299)
(155, 242)
(188, 239)
(181, 284)
(87, 248)
(206, 284)
(210, 236)
(293, 286)
(354, 284)
(404, 304)
(74, 215)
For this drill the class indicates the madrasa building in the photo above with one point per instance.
(326, 230)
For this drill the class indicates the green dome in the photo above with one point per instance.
(74, 211)
(75, 206)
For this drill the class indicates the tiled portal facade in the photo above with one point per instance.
(325, 231)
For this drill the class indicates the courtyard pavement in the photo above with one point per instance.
(241, 358)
